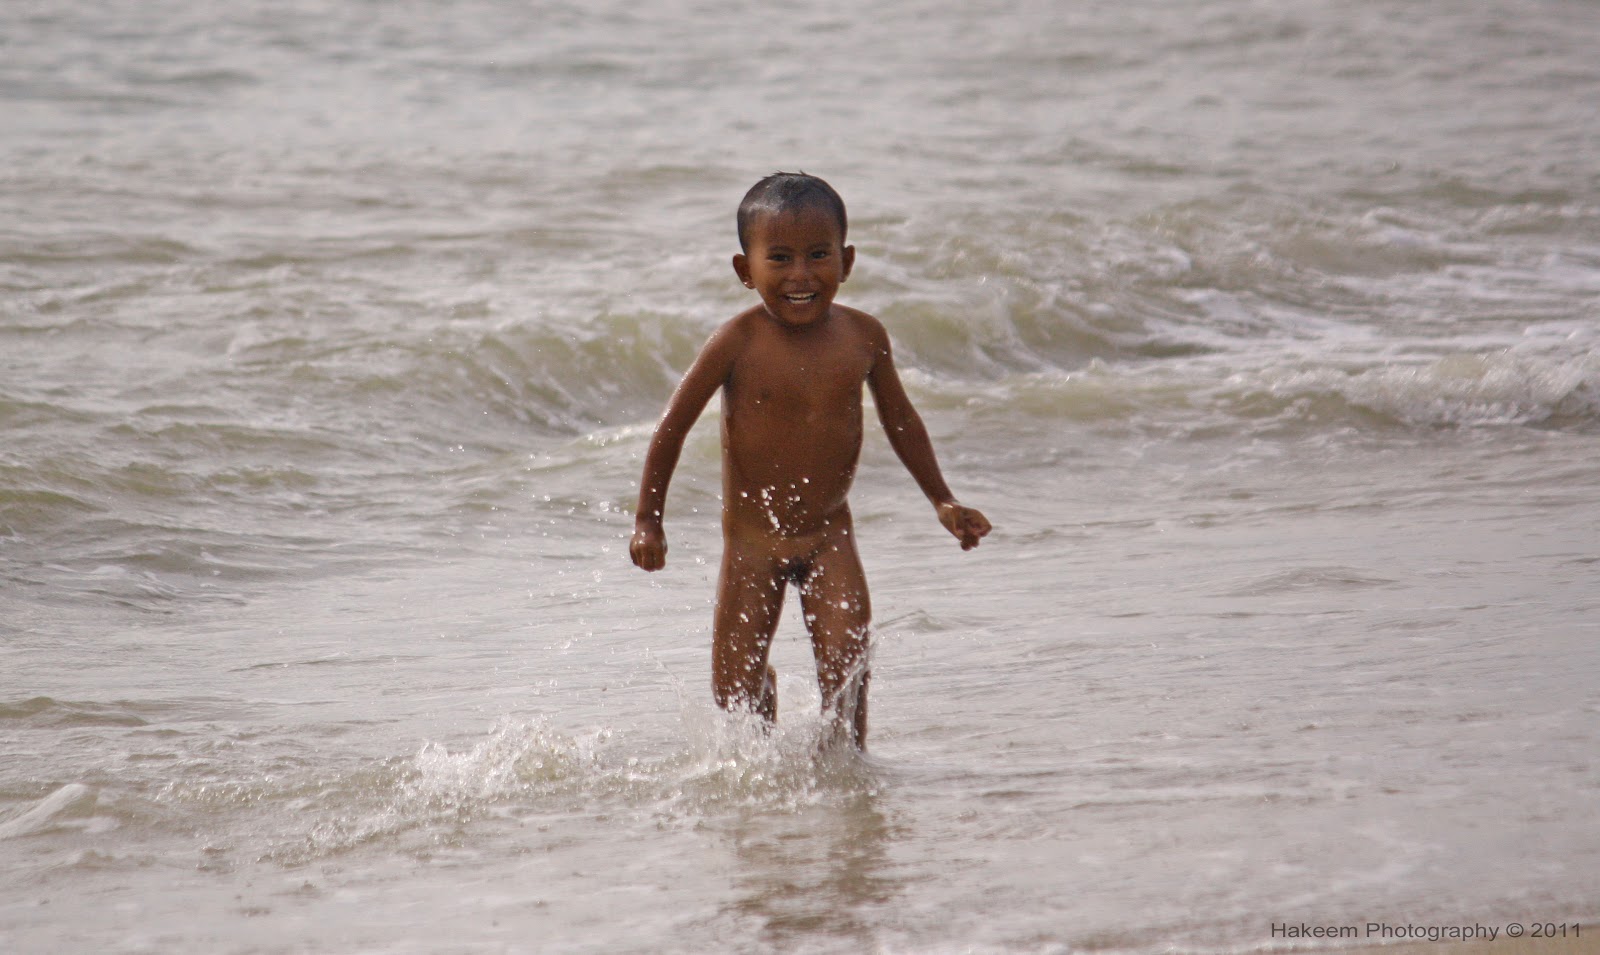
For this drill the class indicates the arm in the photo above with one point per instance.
(909, 438)
(710, 369)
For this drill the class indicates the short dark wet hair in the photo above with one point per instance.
(788, 192)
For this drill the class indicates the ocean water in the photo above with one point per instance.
(332, 333)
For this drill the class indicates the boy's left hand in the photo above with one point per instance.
(648, 548)
(967, 523)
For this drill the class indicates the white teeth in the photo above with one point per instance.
(797, 299)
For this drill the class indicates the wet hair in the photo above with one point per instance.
(788, 192)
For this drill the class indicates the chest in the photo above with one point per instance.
(804, 379)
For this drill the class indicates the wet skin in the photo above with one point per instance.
(791, 370)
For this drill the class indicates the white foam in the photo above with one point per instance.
(1462, 389)
(73, 799)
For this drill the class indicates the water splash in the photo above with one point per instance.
(523, 769)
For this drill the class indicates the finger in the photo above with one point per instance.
(647, 558)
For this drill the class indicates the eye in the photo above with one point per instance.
(778, 257)
(820, 254)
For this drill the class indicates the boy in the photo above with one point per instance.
(791, 371)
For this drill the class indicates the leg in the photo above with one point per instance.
(749, 600)
(769, 696)
(838, 613)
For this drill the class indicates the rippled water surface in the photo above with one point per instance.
(332, 333)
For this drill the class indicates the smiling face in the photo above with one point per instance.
(796, 262)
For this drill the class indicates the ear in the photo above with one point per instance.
(849, 258)
(741, 268)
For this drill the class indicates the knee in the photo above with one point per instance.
(843, 667)
(738, 674)
(731, 697)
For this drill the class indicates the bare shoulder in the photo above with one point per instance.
(859, 319)
(732, 336)
(867, 327)
(740, 327)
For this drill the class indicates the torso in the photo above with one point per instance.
(792, 425)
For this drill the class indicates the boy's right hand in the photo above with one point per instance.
(648, 547)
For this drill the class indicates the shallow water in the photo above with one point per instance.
(332, 333)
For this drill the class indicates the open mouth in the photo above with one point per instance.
(800, 299)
